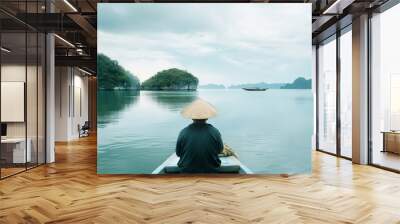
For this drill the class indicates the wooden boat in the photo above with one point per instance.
(255, 89)
(229, 164)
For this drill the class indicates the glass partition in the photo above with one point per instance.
(41, 96)
(385, 89)
(327, 96)
(22, 77)
(14, 153)
(346, 94)
(31, 99)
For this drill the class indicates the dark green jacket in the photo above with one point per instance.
(198, 147)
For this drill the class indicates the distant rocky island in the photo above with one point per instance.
(171, 79)
(212, 86)
(260, 85)
(299, 83)
(113, 76)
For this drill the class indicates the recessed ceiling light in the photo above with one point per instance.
(64, 40)
(70, 5)
(337, 7)
(5, 50)
(84, 71)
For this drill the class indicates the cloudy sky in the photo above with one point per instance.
(218, 43)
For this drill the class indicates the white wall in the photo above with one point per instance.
(33, 126)
(13, 101)
(62, 81)
(80, 105)
(17, 73)
(71, 87)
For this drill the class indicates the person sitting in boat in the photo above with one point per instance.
(199, 143)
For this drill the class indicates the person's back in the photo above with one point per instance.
(198, 147)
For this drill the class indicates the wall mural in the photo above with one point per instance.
(204, 88)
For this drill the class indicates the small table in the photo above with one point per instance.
(391, 141)
(16, 153)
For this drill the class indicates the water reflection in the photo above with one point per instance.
(138, 131)
(112, 102)
(173, 100)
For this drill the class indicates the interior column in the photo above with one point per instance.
(360, 90)
(50, 92)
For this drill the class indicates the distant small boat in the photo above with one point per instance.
(255, 89)
(229, 164)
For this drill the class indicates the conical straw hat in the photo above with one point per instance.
(199, 109)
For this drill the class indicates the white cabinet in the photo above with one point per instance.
(19, 155)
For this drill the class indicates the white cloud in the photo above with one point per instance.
(227, 43)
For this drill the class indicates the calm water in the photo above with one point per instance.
(270, 131)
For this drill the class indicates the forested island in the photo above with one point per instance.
(299, 83)
(113, 76)
(171, 79)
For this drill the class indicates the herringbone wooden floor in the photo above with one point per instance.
(70, 191)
